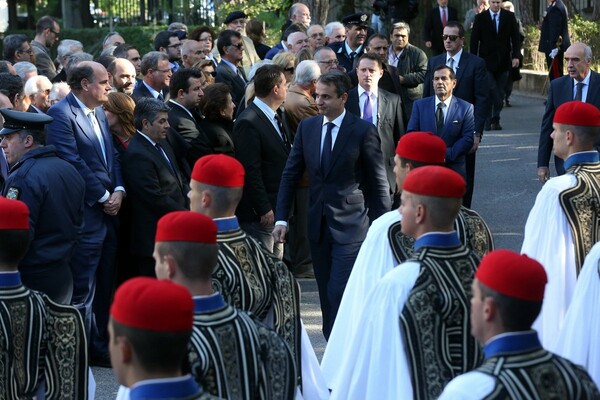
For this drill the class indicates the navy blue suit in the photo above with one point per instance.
(346, 60)
(338, 200)
(561, 91)
(73, 136)
(457, 132)
(278, 48)
(471, 86)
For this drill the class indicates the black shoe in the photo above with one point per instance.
(305, 272)
(495, 126)
(100, 360)
(488, 126)
(507, 103)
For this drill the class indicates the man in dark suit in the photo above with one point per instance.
(352, 47)
(37, 88)
(448, 117)
(185, 92)
(471, 76)
(495, 38)
(155, 184)
(383, 109)
(81, 136)
(554, 26)
(436, 20)
(262, 144)
(346, 173)
(378, 44)
(581, 84)
(231, 49)
(157, 76)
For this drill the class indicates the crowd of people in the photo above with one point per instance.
(158, 209)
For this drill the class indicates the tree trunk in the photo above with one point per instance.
(319, 10)
(528, 14)
(13, 23)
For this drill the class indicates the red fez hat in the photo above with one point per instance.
(186, 226)
(577, 113)
(219, 170)
(424, 147)
(153, 305)
(513, 275)
(435, 181)
(14, 214)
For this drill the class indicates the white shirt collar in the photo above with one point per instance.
(455, 57)
(264, 108)
(147, 137)
(446, 102)
(85, 108)
(374, 91)
(585, 80)
(338, 121)
(154, 93)
(182, 106)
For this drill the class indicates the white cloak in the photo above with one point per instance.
(579, 338)
(549, 240)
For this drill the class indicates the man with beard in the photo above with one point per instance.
(122, 72)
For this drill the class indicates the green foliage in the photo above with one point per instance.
(580, 30)
(254, 8)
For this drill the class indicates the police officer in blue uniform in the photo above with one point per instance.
(353, 47)
(54, 192)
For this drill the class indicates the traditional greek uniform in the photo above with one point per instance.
(579, 338)
(417, 355)
(234, 357)
(179, 388)
(517, 367)
(42, 343)
(251, 279)
(562, 226)
(383, 249)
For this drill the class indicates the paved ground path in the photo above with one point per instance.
(505, 190)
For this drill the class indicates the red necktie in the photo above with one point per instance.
(444, 20)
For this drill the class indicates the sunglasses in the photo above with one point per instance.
(290, 70)
(238, 46)
(451, 37)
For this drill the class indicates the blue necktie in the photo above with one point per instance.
(368, 109)
(326, 153)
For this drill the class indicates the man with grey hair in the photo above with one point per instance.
(16, 48)
(112, 39)
(150, 158)
(192, 51)
(59, 91)
(47, 32)
(297, 41)
(38, 90)
(299, 105)
(582, 84)
(66, 48)
(327, 60)
(316, 37)
(335, 32)
(25, 70)
(157, 76)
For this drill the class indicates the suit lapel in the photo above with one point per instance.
(382, 108)
(451, 116)
(86, 127)
(341, 139)
(461, 66)
(106, 135)
(593, 95)
(265, 120)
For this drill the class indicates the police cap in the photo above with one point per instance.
(358, 19)
(15, 121)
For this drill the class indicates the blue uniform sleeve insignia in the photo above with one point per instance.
(13, 193)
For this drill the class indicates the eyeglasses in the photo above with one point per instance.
(451, 37)
(289, 69)
(330, 62)
(53, 31)
(238, 46)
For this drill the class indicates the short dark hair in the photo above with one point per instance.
(372, 57)
(214, 100)
(4, 66)
(456, 24)
(293, 28)
(338, 79)
(224, 39)
(106, 60)
(441, 67)
(162, 39)
(181, 80)
(587, 135)
(38, 135)
(196, 33)
(516, 314)
(147, 108)
(414, 164)
(11, 85)
(266, 78)
(11, 44)
(156, 351)
(13, 245)
(78, 73)
(195, 260)
(375, 36)
(225, 199)
(122, 50)
(44, 23)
